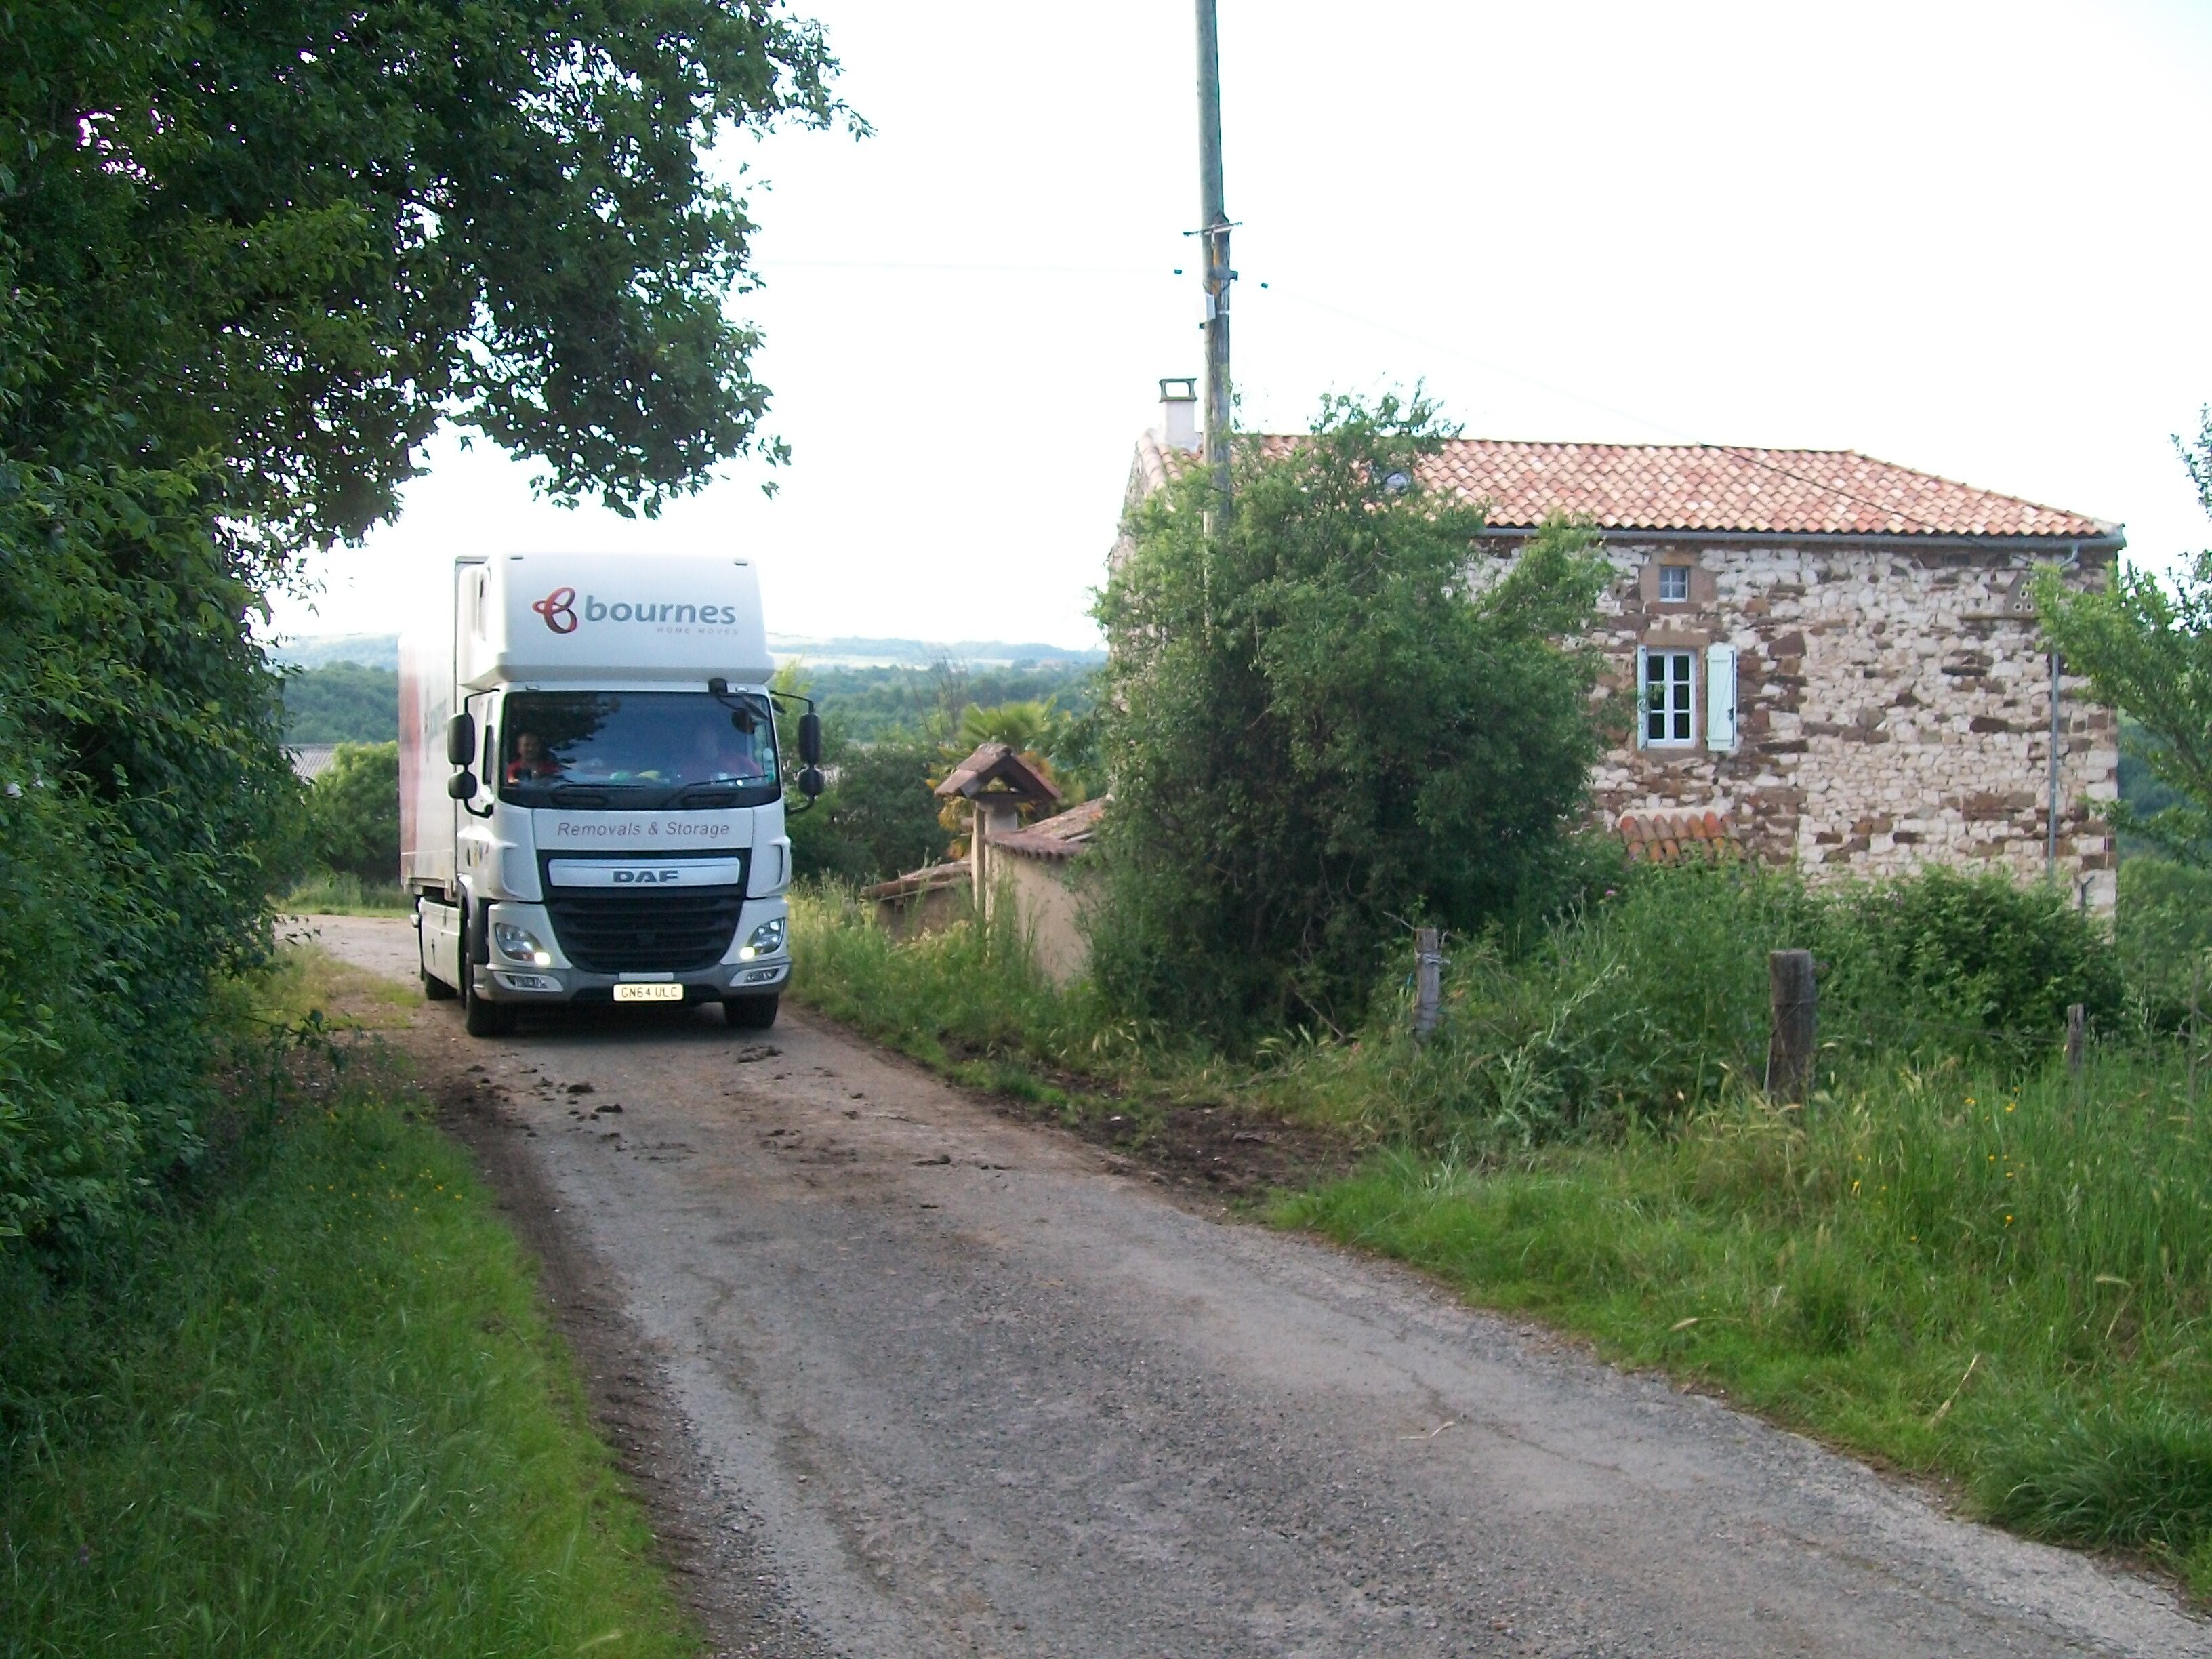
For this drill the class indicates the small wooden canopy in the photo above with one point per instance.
(995, 773)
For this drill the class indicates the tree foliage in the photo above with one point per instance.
(353, 812)
(2147, 649)
(250, 254)
(341, 702)
(878, 819)
(1321, 727)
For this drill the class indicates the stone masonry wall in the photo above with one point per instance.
(1893, 708)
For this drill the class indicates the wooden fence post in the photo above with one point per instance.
(1428, 982)
(2074, 1031)
(1790, 1049)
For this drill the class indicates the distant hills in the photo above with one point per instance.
(382, 651)
(347, 688)
(849, 652)
(319, 650)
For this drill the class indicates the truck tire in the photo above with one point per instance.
(748, 1014)
(479, 1016)
(485, 1018)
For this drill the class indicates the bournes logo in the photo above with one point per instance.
(559, 609)
(623, 878)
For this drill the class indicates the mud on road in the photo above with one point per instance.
(900, 1377)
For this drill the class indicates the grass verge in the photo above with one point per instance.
(342, 893)
(311, 1406)
(2000, 1281)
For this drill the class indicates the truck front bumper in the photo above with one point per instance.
(552, 978)
(500, 983)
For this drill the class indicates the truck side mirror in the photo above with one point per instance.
(462, 786)
(809, 783)
(461, 738)
(809, 742)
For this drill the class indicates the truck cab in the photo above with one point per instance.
(592, 792)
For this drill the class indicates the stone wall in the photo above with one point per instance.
(1893, 708)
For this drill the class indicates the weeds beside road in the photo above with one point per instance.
(1957, 1258)
(310, 1405)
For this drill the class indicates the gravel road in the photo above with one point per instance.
(910, 1378)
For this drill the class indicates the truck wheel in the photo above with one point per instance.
(748, 1014)
(478, 1017)
(482, 1017)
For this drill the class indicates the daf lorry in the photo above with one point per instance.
(590, 795)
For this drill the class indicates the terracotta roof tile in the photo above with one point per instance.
(1674, 838)
(1708, 487)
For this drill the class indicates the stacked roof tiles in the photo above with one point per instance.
(1679, 837)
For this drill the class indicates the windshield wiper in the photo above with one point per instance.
(577, 794)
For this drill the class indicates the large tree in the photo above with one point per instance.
(1325, 721)
(2146, 647)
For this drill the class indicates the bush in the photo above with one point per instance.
(353, 812)
(1996, 961)
(878, 819)
(2164, 932)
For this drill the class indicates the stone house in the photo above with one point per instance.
(1827, 657)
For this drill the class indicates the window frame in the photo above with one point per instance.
(1669, 575)
(1678, 704)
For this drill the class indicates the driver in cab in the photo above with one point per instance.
(532, 764)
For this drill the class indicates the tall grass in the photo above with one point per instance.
(342, 892)
(969, 999)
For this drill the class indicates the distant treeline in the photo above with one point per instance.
(867, 705)
(348, 702)
(341, 702)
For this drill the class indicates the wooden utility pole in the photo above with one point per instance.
(1790, 1049)
(1213, 221)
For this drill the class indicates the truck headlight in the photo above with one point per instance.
(767, 939)
(520, 945)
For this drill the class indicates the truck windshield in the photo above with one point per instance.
(636, 750)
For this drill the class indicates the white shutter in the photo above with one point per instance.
(1637, 694)
(1720, 696)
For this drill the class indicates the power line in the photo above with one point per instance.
(1675, 434)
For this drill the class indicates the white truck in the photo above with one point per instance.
(591, 800)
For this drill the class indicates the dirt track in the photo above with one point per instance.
(901, 1377)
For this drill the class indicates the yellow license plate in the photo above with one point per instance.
(648, 993)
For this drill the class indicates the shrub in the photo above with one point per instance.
(353, 812)
(1997, 963)
(877, 820)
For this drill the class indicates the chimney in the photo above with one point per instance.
(1179, 413)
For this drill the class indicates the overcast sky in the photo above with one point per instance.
(1968, 238)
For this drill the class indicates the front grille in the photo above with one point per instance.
(617, 932)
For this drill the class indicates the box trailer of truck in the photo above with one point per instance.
(590, 796)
